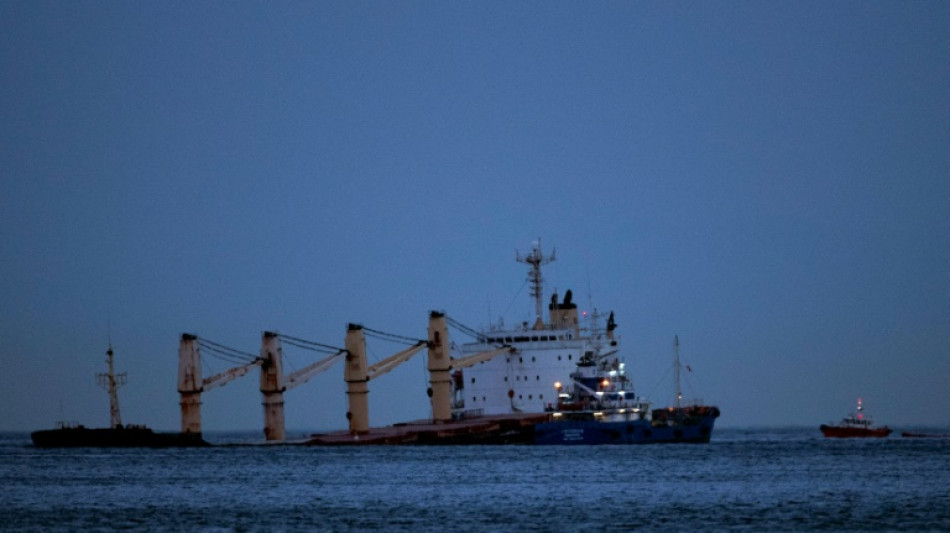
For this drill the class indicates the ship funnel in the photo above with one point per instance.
(564, 315)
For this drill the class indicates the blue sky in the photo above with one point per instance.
(767, 180)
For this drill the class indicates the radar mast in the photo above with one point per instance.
(535, 259)
(111, 382)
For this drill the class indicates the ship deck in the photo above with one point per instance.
(490, 429)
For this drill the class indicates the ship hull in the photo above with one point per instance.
(622, 432)
(839, 432)
(79, 437)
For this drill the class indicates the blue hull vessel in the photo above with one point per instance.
(592, 431)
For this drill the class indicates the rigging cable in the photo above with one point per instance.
(310, 345)
(226, 353)
(392, 337)
(480, 337)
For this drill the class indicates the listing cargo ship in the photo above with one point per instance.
(572, 374)
(855, 426)
(117, 435)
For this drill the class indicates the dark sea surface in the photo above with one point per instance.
(753, 480)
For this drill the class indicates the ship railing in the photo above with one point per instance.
(467, 414)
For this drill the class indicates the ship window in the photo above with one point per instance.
(520, 360)
(530, 397)
(569, 357)
(536, 378)
(483, 398)
(533, 359)
(540, 396)
(508, 340)
(474, 399)
(559, 358)
(519, 397)
(517, 378)
(526, 378)
(506, 378)
(535, 339)
(473, 380)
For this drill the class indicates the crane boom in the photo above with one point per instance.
(306, 373)
(393, 361)
(219, 380)
(465, 362)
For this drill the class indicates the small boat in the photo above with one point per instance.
(117, 435)
(855, 426)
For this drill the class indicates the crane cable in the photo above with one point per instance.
(226, 353)
(310, 345)
(392, 337)
(480, 337)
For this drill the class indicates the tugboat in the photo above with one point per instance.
(117, 435)
(855, 426)
(600, 407)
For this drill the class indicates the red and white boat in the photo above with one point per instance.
(855, 425)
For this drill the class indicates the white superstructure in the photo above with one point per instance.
(548, 352)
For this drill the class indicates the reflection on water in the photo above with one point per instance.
(753, 479)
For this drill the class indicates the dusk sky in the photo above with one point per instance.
(767, 180)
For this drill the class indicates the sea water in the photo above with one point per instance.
(754, 480)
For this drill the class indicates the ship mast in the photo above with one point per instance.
(111, 382)
(676, 369)
(535, 259)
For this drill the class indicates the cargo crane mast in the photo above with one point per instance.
(535, 259)
(274, 383)
(191, 384)
(111, 382)
(357, 373)
(440, 365)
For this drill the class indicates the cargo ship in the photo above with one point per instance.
(573, 373)
(559, 380)
(855, 426)
(117, 435)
